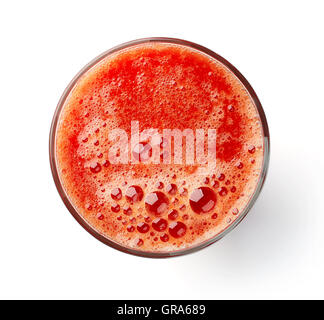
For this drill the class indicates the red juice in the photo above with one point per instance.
(164, 208)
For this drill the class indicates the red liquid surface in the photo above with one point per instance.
(158, 207)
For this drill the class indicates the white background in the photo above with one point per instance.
(276, 252)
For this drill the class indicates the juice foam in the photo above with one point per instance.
(158, 207)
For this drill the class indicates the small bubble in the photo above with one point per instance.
(221, 177)
(164, 237)
(139, 242)
(171, 189)
(214, 216)
(177, 229)
(173, 214)
(239, 165)
(202, 200)
(130, 228)
(100, 216)
(215, 184)
(156, 203)
(95, 167)
(159, 224)
(183, 207)
(143, 227)
(222, 191)
(142, 151)
(159, 185)
(106, 163)
(116, 194)
(88, 207)
(233, 189)
(251, 149)
(134, 194)
(206, 180)
(183, 191)
(115, 207)
(127, 210)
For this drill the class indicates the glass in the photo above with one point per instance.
(85, 224)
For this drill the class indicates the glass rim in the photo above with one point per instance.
(92, 230)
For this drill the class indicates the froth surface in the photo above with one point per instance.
(161, 86)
